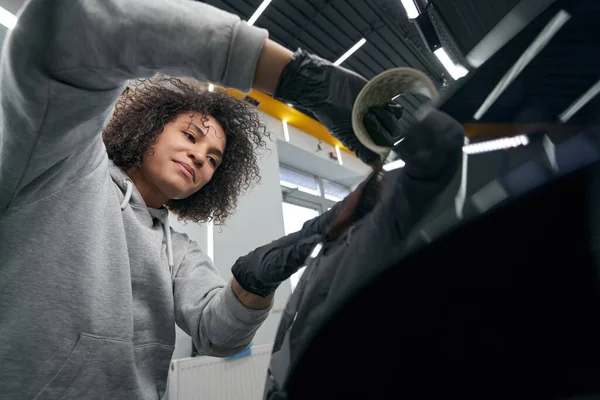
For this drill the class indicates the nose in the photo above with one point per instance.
(198, 159)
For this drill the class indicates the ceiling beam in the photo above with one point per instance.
(478, 131)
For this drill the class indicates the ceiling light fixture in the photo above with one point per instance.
(456, 71)
(7, 18)
(411, 9)
(461, 195)
(510, 26)
(528, 55)
(259, 11)
(347, 54)
(498, 144)
(579, 103)
(286, 133)
(338, 153)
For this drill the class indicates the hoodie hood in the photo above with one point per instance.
(131, 196)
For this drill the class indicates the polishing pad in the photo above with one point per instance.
(379, 91)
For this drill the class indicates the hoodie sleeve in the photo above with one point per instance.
(207, 309)
(66, 62)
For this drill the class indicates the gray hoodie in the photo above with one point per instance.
(92, 281)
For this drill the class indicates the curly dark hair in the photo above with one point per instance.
(140, 116)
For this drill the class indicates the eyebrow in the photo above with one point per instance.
(200, 132)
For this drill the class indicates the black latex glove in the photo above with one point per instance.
(263, 269)
(426, 146)
(328, 92)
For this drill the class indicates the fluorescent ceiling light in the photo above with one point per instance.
(528, 55)
(286, 133)
(411, 9)
(7, 18)
(456, 71)
(498, 144)
(259, 11)
(579, 103)
(550, 150)
(349, 52)
(394, 165)
(461, 195)
(513, 23)
(338, 153)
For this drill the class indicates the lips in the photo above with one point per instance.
(187, 170)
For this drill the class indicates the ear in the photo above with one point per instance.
(149, 151)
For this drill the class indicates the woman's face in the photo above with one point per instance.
(187, 154)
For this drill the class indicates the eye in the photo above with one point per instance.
(191, 137)
(213, 161)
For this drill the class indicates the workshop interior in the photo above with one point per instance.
(495, 291)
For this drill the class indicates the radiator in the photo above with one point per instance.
(211, 378)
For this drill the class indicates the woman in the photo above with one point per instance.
(92, 278)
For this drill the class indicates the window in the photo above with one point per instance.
(294, 216)
(305, 189)
(305, 197)
(334, 192)
(293, 179)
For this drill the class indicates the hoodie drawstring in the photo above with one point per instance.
(165, 224)
(128, 192)
(167, 229)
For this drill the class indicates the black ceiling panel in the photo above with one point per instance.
(565, 69)
(470, 20)
(328, 28)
